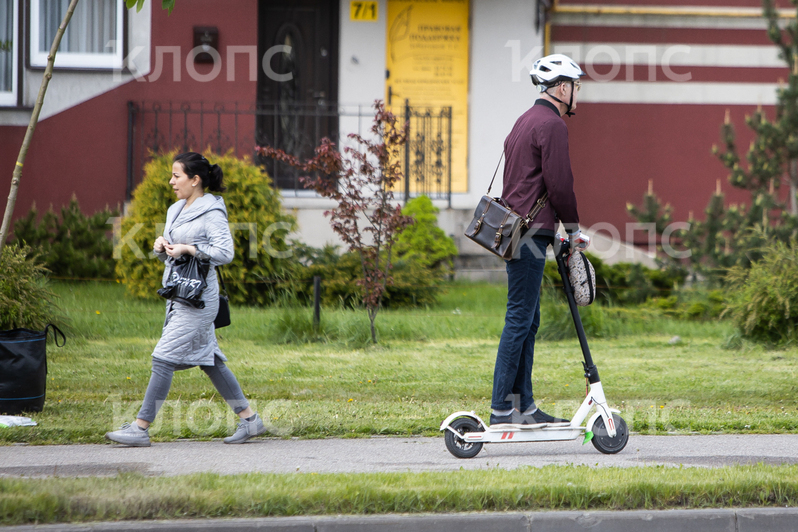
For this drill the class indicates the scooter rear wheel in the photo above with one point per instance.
(459, 447)
(602, 441)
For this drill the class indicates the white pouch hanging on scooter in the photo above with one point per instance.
(583, 278)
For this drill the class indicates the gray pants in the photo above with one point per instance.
(161, 380)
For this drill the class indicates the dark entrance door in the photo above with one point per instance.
(298, 85)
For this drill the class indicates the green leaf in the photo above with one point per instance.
(168, 4)
(138, 3)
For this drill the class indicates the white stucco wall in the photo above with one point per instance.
(361, 67)
(504, 43)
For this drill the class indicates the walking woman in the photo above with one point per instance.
(195, 225)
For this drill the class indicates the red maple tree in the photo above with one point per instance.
(361, 180)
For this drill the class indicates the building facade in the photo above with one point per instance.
(662, 75)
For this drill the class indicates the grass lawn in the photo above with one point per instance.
(259, 495)
(429, 363)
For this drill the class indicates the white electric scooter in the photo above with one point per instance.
(465, 432)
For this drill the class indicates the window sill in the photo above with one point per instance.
(79, 70)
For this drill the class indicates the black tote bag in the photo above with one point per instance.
(23, 369)
(187, 281)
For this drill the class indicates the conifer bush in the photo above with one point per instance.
(764, 298)
(74, 245)
(25, 299)
(262, 258)
(423, 242)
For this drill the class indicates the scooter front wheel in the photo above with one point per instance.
(458, 446)
(601, 439)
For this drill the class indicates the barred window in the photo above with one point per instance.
(93, 38)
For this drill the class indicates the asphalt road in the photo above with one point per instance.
(384, 454)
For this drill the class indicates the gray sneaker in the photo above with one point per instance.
(246, 430)
(130, 434)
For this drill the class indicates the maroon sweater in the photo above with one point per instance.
(537, 160)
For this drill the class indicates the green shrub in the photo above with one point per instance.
(72, 246)
(764, 298)
(423, 242)
(557, 323)
(25, 299)
(690, 304)
(413, 285)
(624, 283)
(251, 202)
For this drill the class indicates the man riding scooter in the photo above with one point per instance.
(537, 161)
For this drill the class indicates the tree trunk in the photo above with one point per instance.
(793, 187)
(34, 119)
(372, 317)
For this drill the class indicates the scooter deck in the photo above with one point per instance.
(504, 427)
(509, 433)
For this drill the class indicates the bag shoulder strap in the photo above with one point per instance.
(536, 208)
(221, 278)
(494, 173)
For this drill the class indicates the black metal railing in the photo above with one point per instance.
(428, 152)
(155, 127)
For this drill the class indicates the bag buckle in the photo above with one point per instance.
(478, 224)
(497, 240)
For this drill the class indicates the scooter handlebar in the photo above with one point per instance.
(565, 245)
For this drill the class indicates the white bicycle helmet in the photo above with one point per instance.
(550, 70)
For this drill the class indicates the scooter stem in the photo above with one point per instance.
(561, 247)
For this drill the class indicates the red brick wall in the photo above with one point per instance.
(82, 151)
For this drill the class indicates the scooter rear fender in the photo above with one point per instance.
(463, 413)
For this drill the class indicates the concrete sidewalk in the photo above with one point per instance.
(416, 454)
(384, 454)
(729, 520)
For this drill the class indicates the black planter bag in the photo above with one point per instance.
(187, 281)
(23, 369)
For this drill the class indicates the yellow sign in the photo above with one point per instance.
(427, 64)
(363, 11)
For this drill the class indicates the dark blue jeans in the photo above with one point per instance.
(512, 376)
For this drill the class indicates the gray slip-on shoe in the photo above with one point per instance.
(246, 430)
(130, 434)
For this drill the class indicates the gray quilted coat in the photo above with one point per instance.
(188, 334)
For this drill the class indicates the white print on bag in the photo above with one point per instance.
(191, 283)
